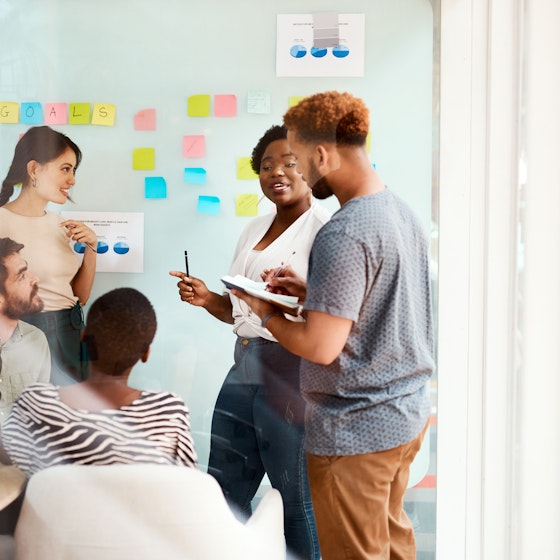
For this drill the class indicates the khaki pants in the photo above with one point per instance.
(358, 503)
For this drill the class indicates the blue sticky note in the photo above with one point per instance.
(195, 175)
(155, 187)
(208, 205)
(31, 113)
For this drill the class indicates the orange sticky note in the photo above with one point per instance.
(145, 120)
(225, 106)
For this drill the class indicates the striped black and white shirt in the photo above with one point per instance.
(42, 431)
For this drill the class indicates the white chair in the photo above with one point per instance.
(141, 512)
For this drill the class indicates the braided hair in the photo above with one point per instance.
(41, 144)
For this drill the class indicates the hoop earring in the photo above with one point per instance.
(34, 183)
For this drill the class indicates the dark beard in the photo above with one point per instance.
(321, 189)
(17, 308)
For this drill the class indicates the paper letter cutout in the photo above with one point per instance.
(194, 146)
(103, 114)
(198, 105)
(155, 187)
(258, 102)
(9, 112)
(144, 158)
(244, 169)
(56, 113)
(225, 106)
(31, 113)
(145, 120)
(195, 175)
(246, 205)
(208, 205)
(79, 113)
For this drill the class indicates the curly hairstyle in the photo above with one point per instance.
(275, 132)
(7, 247)
(120, 327)
(330, 117)
(41, 144)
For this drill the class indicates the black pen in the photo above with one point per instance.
(283, 266)
(187, 263)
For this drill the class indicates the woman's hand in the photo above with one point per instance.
(286, 281)
(79, 232)
(191, 290)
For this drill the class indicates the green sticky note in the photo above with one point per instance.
(144, 158)
(244, 169)
(79, 113)
(246, 205)
(198, 105)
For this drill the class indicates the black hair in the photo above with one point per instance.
(275, 132)
(7, 247)
(120, 327)
(41, 144)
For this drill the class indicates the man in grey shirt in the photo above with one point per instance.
(24, 351)
(367, 341)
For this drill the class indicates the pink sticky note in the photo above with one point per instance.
(56, 113)
(145, 120)
(225, 105)
(194, 146)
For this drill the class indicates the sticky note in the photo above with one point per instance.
(258, 102)
(155, 187)
(145, 120)
(244, 169)
(368, 142)
(56, 113)
(198, 105)
(195, 175)
(225, 105)
(208, 205)
(246, 205)
(79, 113)
(103, 114)
(194, 146)
(144, 158)
(295, 100)
(9, 112)
(31, 113)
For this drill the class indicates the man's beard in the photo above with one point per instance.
(18, 308)
(319, 184)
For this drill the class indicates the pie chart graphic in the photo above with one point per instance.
(102, 247)
(318, 53)
(80, 248)
(121, 248)
(298, 51)
(340, 51)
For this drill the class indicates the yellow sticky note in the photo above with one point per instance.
(244, 169)
(198, 105)
(79, 113)
(9, 112)
(103, 114)
(368, 142)
(144, 158)
(295, 100)
(246, 205)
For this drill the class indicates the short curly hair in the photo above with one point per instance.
(330, 117)
(275, 132)
(120, 327)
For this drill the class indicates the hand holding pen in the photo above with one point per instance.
(270, 273)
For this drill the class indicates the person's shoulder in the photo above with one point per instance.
(39, 389)
(162, 397)
(29, 330)
(320, 212)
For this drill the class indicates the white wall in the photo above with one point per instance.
(155, 54)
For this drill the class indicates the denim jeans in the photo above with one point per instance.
(63, 330)
(257, 428)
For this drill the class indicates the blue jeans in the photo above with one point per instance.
(63, 330)
(257, 428)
